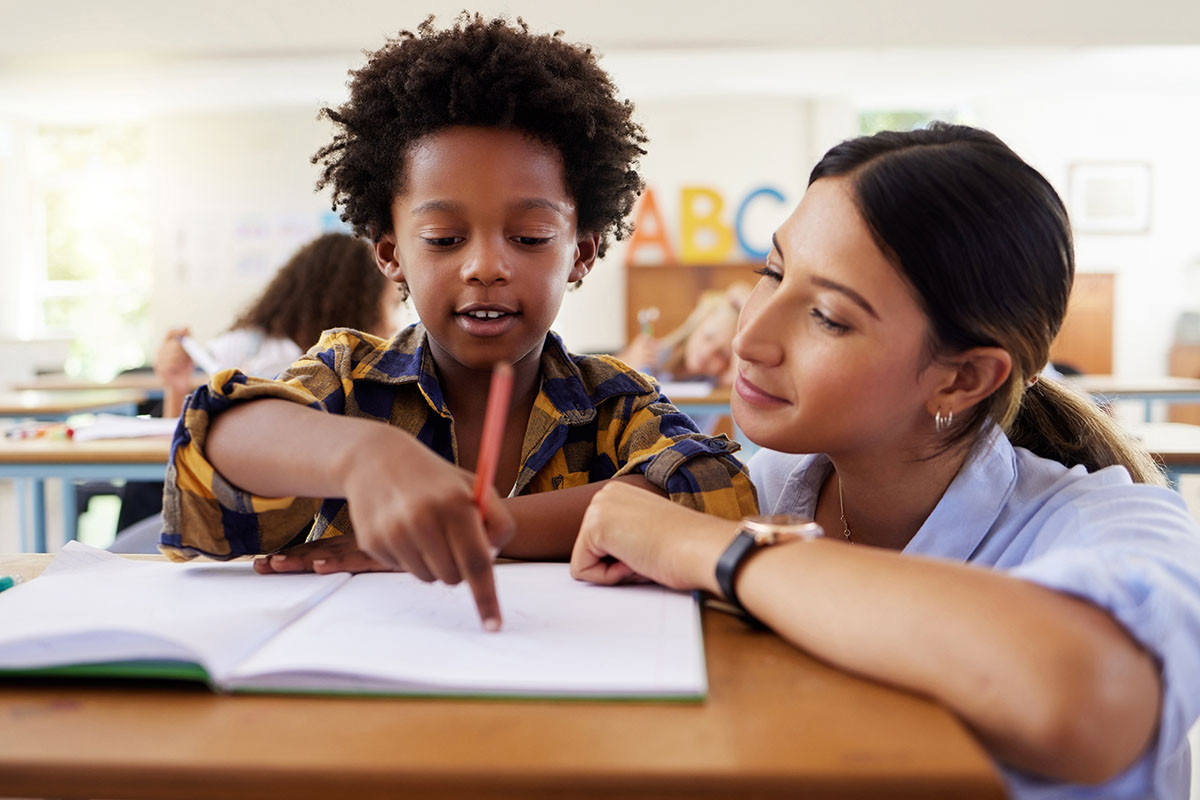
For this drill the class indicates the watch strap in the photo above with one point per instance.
(728, 565)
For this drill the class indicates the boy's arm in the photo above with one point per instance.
(654, 447)
(429, 527)
(548, 522)
(661, 443)
(546, 525)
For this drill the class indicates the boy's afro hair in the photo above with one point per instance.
(486, 74)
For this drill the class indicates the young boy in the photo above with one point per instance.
(490, 167)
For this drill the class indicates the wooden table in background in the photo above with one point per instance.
(30, 462)
(1148, 391)
(59, 404)
(61, 382)
(776, 724)
(1175, 445)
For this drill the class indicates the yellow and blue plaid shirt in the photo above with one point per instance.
(594, 418)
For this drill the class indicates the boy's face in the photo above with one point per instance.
(485, 237)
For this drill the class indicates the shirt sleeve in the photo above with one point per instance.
(658, 440)
(1134, 551)
(205, 514)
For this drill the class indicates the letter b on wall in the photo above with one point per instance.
(704, 239)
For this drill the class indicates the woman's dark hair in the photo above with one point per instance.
(331, 282)
(489, 74)
(985, 243)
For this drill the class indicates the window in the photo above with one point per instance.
(93, 212)
(874, 121)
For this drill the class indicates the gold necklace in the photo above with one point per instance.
(842, 508)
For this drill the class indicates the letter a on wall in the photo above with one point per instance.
(649, 232)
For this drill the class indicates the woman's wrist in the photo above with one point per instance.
(703, 550)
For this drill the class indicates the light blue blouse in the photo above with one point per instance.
(1131, 549)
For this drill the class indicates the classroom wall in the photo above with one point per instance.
(730, 144)
(1157, 271)
(16, 223)
(234, 195)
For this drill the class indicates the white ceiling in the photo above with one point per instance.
(93, 59)
(77, 30)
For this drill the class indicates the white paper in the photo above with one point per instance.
(91, 606)
(375, 632)
(200, 355)
(686, 389)
(389, 632)
(119, 426)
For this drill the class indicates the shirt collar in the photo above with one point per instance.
(565, 393)
(972, 502)
(961, 519)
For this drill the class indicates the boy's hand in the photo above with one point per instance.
(413, 511)
(630, 534)
(335, 554)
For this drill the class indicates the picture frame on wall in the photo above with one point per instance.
(1109, 196)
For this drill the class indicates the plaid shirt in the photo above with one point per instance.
(594, 418)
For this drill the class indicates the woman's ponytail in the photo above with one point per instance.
(1059, 423)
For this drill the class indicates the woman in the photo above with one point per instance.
(889, 361)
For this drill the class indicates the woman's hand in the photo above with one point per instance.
(630, 534)
(413, 511)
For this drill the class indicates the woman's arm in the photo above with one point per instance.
(1050, 683)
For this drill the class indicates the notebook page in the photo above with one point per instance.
(390, 633)
(91, 606)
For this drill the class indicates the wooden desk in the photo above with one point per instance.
(776, 724)
(42, 404)
(1112, 389)
(1176, 445)
(30, 462)
(146, 382)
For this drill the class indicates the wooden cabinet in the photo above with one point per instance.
(674, 290)
(1184, 362)
(1085, 340)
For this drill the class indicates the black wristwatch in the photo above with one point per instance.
(755, 533)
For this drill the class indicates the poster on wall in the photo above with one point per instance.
(243, 247)
(1109, 197)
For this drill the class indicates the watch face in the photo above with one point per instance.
(770, 528)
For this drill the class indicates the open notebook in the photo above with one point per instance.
(92, 612)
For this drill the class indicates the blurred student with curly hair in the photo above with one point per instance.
(331, 282)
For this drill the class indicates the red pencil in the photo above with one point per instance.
(494, 418)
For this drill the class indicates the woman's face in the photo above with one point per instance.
(831, 342)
